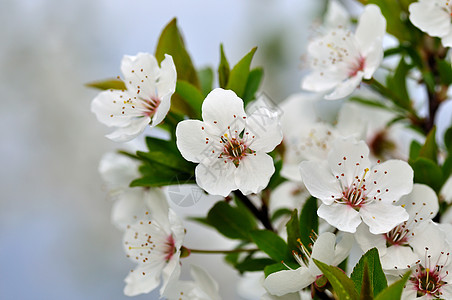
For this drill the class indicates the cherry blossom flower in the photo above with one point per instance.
(230, 146)
(154, 243)
(340, 59)
(204, 287)
(430, 278)
(145, 102)
(394, 246)
(434, 18)
(324, 249)
(352, 191)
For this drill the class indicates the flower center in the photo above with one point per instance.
(170, 248)
(359, 66)
(234, 148)
(355, 195)
(150, 106)
(397, 236)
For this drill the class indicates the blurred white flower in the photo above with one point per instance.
(324, 249)
(204, 287)
(146, 101)
(352, 191)
(230, 146)
(434, 18)
(340, 59)
(154, 243)
(446, 190)
(394, 246)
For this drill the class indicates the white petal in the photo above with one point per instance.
(382, 217)
(348, 159)
(171, 272)
(389, 181)
(216, 178)
(446, 190)
(319, 181)
(128, 133)
(341, 216)
(177, 228)
(140, 73)
(157, 203)
(205, 282)
(346, 87)
(421, 203)
(117, 171)
(166, 84)
(447, 39)
(367, 240)
(429, 235)
(162, 110)
(264, 129)
(336, 15)
(128, 207)
(180, 290)
(291, 296)
(222, 109)
(254, 172)
(137, 283)
(193, 141)
(343, 248)
(323, 251)
(430, 18)
(371, 28)
(398, 256)
(318, 81)
(288, 281)
(108, 108)
(373, 59)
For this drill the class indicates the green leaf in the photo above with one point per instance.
(397, 84)
(445, 71)
(223, 69)
(293, 231)
(369, 102)
(230, 221)
(191, 95)
(430, 150)
(427, 172)
(342, 285)
(239, 74)
(252, 84)
(106, 84)
(250, 264)
(206, 78)
(271, 244)
(377, 277)
(279, 267)
(415, 148)
(366, 286)
(279, 213)
(447, 167)
(276, 178)
(394, 291)
(171, 42)
(448, 139)
(169, 177)
(309, 221)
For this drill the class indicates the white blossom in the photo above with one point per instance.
(434, 18)
(352, 191)
(340, 59)
(146, 101)
(229, 146)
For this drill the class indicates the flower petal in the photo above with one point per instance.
(194, 142)
(382, 217)
(128, 207)
(398, 256)
(318, 81)
(421, 203)
(108, 108)
(371, 28)
(430, 18)
(336, 15)
(288, 281)
(166, 85)
(134, 129)
(319, 181)
(157, 203)
(143, 279)
(341, 216)
(140, 74)
(367, 240)
(205, 282)
(322, 250)
(117, 171)
(170, 272)
(222, 109)
(343, 248)
(264, 129)
(254, 172)
(162, 110)
(216, 178)
(346, 87)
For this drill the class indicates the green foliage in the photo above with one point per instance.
(293, 232)
(272, 244)
(445, 71)
(223, 69)
(252, 84)
(191, 95)
(239, 74)
(394, 291)
(342, 285)
(366, 286)
(309, 221)
(430, 150)
(276, 178)
(232, 222)
(448, 139)
(376, 277)
(106, 84)
(279, 213)
(206, 78)
(250, 264)
(397, 84)
(415, 148)
(427, 172)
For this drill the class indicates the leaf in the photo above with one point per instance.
(430, 150)
(253, 264)
(427, 172)
(369, 102)
(239, 74)
(171, 42)
(445, 71)
(447, 167)
(448, 139)
(106, 84)
(309, 221)
(397, 84)
(206, 78)
(415, 148)
(377, 277)
(394, 291)
(272, 244)
(223, 69)
(276, 178)
(279, 213)
(342, 285)
(191, 95)
(230, 221)
(252, 84)
(366, 286)
(293, 231)
(164, 179)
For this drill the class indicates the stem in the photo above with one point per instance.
(260, 214)
(221, 251)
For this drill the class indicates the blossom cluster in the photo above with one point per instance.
(298, 189)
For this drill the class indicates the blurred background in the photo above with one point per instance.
(56, 238)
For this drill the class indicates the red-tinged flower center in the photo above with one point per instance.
(397, 236)
(170, 248)
(359, 66)
(150, 106)
(355, 195)
(429, 279)
(234, 149)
